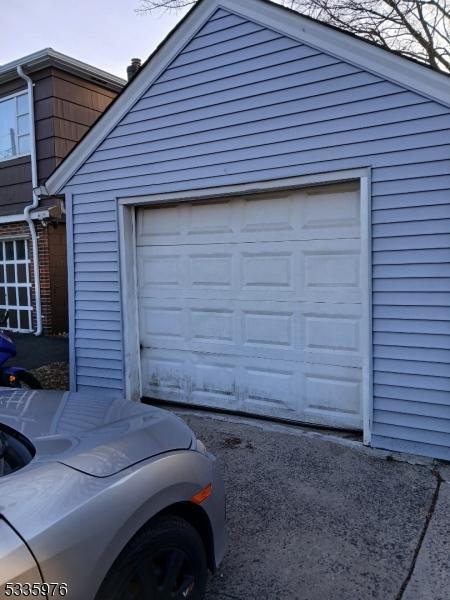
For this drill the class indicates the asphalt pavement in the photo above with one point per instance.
(36, 351)
(313, 517)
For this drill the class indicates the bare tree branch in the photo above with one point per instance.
(418, 29)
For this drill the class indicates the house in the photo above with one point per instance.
(260, 223)
(47, 103)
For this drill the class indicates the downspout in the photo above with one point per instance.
(34, 204)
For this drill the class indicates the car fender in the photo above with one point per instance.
(81, 531)
(181, 475)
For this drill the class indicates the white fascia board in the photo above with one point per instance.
(367, 56)
(19, 218)
(41, 58)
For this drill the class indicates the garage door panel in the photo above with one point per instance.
(309, 332)
(334, 393)
(339, 212)
(283, 389)
(299, 215)
(164, 374)
(255, 304)
(163, 271)
(337, 269)
(212, 270)
(315, 271)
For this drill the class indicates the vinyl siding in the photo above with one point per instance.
(242, 103)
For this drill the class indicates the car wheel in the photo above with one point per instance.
(165, 561)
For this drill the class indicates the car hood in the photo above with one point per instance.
(91, 432)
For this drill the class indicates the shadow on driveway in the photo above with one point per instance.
(33, 351)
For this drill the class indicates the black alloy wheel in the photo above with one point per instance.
(166, 561)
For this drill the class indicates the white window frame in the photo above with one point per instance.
(17, 135)
(16, 285)
(127, 207)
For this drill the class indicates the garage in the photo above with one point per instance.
(255, 304)
(259, 224)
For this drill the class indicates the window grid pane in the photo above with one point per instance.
(14, 126)
(15, 287)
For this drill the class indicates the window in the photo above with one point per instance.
(15, 288)
(14, 126)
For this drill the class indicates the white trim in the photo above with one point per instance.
(128, 268)
(37, 215)
(16, 308)
(248, 188)
(129, 302)
(2, 160)
(38, 59)
(71, 293)
(35, 202)
(366, 260)
(17, 135)
(353, 50)
(14, 94)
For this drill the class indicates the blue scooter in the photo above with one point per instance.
(13, 377)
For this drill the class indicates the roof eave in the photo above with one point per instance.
(51, 58)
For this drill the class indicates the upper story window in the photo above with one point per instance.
(14, 126)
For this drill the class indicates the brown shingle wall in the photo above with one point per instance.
(65, 107)
(77, 104)
(15, 185)
(58, 277)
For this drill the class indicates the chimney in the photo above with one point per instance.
(133, 68)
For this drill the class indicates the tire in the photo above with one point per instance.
(27, 380)
(165, 561)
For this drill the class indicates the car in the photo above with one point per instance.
(104, 499)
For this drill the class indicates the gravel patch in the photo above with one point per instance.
(54, 376)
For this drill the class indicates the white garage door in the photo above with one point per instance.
(254, 304)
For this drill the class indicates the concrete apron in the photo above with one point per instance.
(316, 516)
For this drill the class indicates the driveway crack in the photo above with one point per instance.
(428, 518)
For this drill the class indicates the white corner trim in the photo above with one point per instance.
(128, 270)
(366, 268)
(129, 299)
(71, 293)
(358, 52)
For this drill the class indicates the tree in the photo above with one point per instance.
(418, 29)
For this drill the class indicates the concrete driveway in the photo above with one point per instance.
(315, 519)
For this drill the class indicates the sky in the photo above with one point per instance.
(103, 33)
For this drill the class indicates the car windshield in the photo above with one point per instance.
(15, 450)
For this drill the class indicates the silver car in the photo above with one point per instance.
(104, 499)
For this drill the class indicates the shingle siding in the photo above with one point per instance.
(242, 103)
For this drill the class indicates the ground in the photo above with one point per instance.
(315, 517)
(311, 516)
(45, 356)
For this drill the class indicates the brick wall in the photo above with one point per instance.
(21, 229)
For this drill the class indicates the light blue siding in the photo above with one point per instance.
(242, 103)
